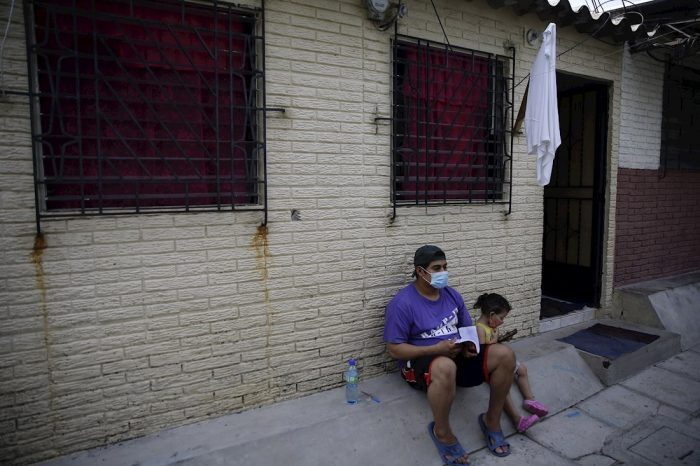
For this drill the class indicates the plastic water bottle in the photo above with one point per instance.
(352, 379)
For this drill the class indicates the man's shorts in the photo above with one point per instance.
(470, 371)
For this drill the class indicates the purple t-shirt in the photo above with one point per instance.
(412, 318)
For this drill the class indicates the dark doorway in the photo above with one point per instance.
(574, 200)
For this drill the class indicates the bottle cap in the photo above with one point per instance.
(352, 362)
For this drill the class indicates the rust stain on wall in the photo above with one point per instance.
(262, 261)
(36, 257)
(262, 253)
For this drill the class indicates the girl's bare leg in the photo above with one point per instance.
(524, 383)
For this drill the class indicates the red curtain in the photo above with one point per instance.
(143, 105)
(446, 101)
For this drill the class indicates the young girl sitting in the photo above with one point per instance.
(494, 309)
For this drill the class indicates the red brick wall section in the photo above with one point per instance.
(658, 224)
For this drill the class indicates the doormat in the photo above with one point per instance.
(609, 342)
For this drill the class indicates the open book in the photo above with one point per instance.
(468, 334)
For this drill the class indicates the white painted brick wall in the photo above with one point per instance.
(125, 325)
(641, 110)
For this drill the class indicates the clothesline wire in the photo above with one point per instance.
(595, 33)
(659, 36)
(573, 47)
(617, 50)
(437, 15)
(447, 40)
(587, 38)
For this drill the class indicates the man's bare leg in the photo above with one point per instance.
(441, 394)
(501, 363)
(511, 411)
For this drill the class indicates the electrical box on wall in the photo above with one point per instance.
(377, 8)
(384, 14)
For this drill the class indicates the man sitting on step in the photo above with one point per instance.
(420, 328)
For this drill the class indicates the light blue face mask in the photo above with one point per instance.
(438, 279)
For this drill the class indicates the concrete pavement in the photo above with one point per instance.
(650, 418)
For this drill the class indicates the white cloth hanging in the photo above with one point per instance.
(541, 113)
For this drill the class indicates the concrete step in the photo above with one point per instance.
(321, 429)
(670, 303)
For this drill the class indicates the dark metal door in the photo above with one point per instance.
(574, 200)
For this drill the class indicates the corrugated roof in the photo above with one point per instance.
(668, 26)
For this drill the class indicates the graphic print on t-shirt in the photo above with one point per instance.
(448, 326)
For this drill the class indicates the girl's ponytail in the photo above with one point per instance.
(481, 301)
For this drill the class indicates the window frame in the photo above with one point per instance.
(253, 144)
(506, 79)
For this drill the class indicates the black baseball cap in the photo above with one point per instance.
(426, 254)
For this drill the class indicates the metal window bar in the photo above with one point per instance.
(170, 119)
(450, 157)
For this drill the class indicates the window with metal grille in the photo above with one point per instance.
(681, 119)
(145, 105)
(451, 137)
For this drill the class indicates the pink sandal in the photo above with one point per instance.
(535, 407)
(526, 422)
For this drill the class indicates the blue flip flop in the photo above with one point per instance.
(494, 439)
(454, 451)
